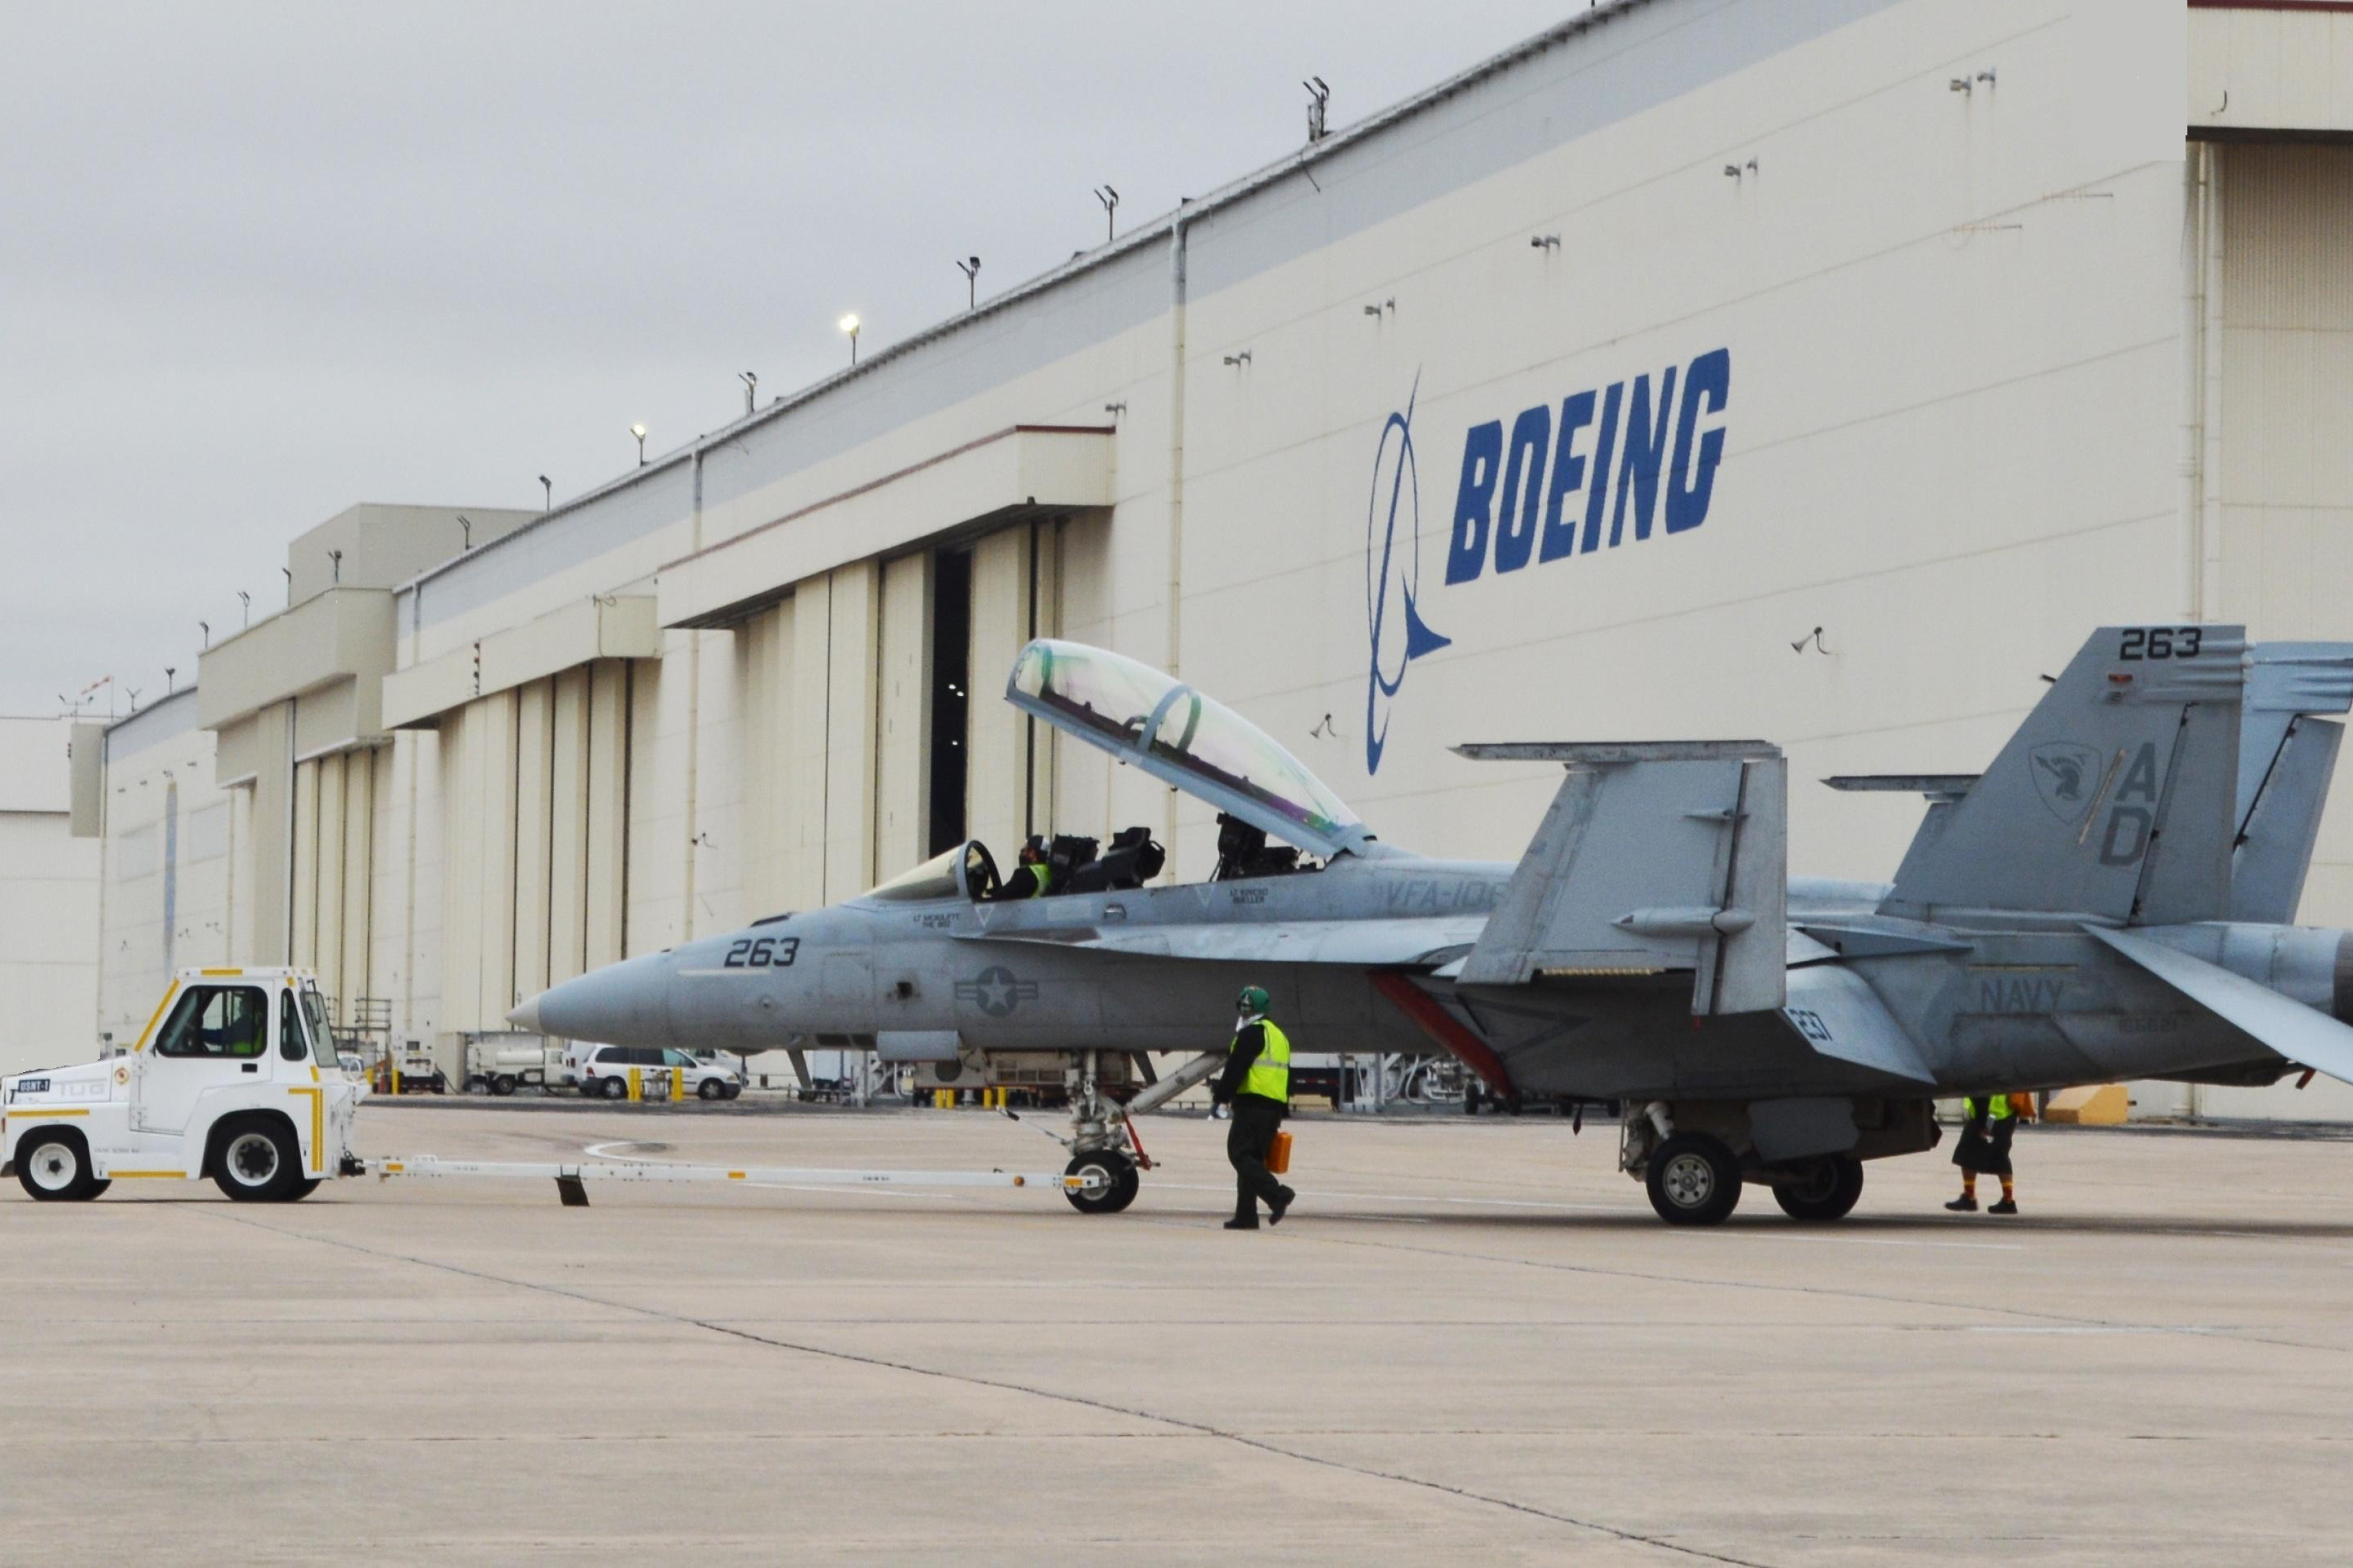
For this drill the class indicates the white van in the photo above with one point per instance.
(605, 1070)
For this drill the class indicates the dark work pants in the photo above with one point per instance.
(1248, 1139)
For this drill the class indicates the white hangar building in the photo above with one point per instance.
(1566, 399)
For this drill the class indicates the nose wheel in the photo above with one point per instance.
(1114, 1190)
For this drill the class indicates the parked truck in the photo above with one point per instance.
(235, 1078)
(501, 1063)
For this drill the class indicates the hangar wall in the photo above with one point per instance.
(50, 882)
(1818, 371)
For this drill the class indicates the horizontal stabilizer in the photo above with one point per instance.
(2280, 1023)
(1655, 856)
(1936, 786)
(1838, 1014)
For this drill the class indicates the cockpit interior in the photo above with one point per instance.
(1165, 729)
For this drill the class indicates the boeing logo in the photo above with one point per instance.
(1610, 465)
(1393, 621)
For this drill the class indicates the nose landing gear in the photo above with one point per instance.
(1116, 1188)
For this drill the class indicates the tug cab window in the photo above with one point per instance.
(290, 1043)
(216, 1021)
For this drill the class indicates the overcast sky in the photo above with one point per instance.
(258, 262)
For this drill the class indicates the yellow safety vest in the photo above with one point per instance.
(1270, 1075)
(2000, 1109)
(1044, 876)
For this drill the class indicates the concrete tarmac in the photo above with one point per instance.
(1471, 1341)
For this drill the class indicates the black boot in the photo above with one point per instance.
(1279, 1206)
(1250, 1224)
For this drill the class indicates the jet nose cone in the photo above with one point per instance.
(624, 1004)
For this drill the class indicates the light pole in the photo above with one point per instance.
(546, 493)
(466, 538)
(750, 379)
(639, 430)
(850, 324)
(245, 602)
(971, 270)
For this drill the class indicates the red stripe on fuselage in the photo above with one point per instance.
(1441, 1026)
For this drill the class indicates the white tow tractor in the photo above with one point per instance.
(235, 1078)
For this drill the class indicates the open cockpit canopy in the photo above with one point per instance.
(1183, 739)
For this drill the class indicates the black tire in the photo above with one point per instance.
(613, 1088)
(711, 1089)
(1694, 1179)
(1121, 1177)
(53, 1166)
(98, 1189)
(734, 1091)
(256, 1159)
(1822, 1190)
(304, 1188)
(502, 1085)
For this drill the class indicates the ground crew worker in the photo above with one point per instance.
(1989, 1123)
(1257, 1085)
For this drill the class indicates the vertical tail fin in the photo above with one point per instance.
(2286, 759)
(2115, 798)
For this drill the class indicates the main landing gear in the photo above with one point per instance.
(1694, 1159)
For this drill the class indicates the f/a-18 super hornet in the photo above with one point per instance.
(2110, 899)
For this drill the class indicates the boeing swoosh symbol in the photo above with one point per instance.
(1393, 623)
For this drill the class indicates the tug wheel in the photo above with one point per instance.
(1694, 1179)
(54, 1167)
(1824, 1189)
(256, 1161)
(1120, 1176)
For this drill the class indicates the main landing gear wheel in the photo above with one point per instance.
(1120, 1176)
(1825, 1188)
(257, 1161)
(54, 1167)
(1694, 1179)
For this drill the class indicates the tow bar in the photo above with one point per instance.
(572, 1178)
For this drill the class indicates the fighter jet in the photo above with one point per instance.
(2110, 899)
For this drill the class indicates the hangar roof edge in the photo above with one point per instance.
(1144, 236)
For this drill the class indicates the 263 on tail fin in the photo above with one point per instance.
(1655, 856)
(2115, 798)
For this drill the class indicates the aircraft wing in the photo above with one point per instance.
(1655, 856)
(1404, 943)
(2282, 1023)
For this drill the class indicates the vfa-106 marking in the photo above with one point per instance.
(2109, 899)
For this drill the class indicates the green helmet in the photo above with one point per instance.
(1253, 999)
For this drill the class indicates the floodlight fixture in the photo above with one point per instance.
(850, 324)
(639, 430)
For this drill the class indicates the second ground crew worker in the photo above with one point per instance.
(1257, 1084)
(1989, 1123)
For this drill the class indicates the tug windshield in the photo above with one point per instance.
(1183, 738)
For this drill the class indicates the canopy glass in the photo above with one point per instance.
(1181, 737)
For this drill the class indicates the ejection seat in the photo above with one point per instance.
(1133, 859)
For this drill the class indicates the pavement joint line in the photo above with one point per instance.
(1199, 1428)
(2194, 1332)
